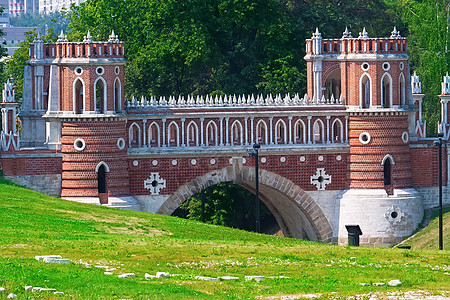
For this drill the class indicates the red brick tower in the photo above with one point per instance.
(370, 76)
(84, 116)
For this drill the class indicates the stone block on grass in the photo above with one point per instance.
(12, 296)
(127, 275)
(205, 278)
(228, 278)
(255, 278)
(56, 260)
(162, 275)
(394, 282)
(2, 289)
(42, 257)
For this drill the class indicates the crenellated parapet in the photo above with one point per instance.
(113, 48)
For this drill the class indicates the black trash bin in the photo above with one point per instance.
(354, 231)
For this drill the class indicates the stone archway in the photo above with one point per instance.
(296, 212)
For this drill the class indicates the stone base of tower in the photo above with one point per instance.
(384, 219)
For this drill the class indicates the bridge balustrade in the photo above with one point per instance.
(234, 122)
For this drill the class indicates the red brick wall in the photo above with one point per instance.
(425, 166)
(292, 168)
(79, 177)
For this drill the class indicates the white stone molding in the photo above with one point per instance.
(237, 133)
(367, 88)
(79, 144)
(192, 134)
(102, 163)
(117, 95)
(173, 134)
(337, 126)
(383, 101)
(388, 156)
(302, 158)
(105, 95)
(299, 135)
(386, 66)
(320, 179)
(120, 143)
(135, 163)
(261, 132)
(394, 215)
(154, 162)
(405, 137)
(155, 183)
(100, 70)
(154, 136)
(280, 131)
(174, 162)
(83, 90)
(365, 138)
(131, 135)
(318, 129)
(402, 89)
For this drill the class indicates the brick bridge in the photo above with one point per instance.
(352, 151)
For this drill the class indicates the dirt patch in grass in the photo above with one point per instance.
(117, 224)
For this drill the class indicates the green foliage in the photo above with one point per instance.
(221, 46)
(429, 41)
(223, 204)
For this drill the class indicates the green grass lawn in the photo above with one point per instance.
(34, 224)
(428, 238)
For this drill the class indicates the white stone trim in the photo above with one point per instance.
(120, 143)
(365, 138)
(388, 156)
(79, 144)
(104, 164)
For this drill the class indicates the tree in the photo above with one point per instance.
(428, 24)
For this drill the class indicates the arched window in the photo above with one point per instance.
(386, 91)
(100, 95)
(333, 84)
(153, 135)
(338, 131)
(280, 132)
(236, 133)
(78, 96)
(365, 91)
(134, 136)
(299, 132)
(173, 139)
(211, 134)
(101, 169)
(261, 132)
(117, 95)
(387, 163)
(318, 132)
(402, 91)
(192, 134)
(387, 172)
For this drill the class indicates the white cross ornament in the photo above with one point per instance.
(155, 183)
(320, 179)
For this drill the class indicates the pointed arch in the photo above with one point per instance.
(318, 132)
(154, 138)
(192, 134)
(236, 133)
(337, 131)
(102, 163)
(261, 132)
(117, 95)
(100, 95)
(78, 96)
(280, 132)
(101, 169)
(365, 91)
(211, 134)
(173, 135)
(402, 89)
(300, 132)
(387, 163)
(386, 90)
(134, 136)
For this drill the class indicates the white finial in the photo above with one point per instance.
(38, 37)
(364, 34)
(8, 92)
(446, 85)
(416, 85)
(395, 34)
(316, 34)
(346, 33)
(88, 38)
(113, 38)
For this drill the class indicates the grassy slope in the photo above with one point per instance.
(428, 238)
(34, 224)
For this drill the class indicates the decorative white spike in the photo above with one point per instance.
(332, 100)
(364, 34)
(341, 99)
(416, 85)
(220, 100)
(446, 85)
(346, 33)
(323, 100)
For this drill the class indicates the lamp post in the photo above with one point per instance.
(441, 244)
(254, 152)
